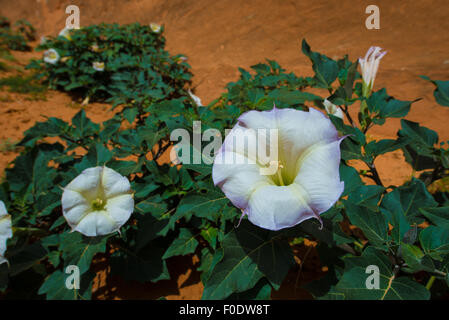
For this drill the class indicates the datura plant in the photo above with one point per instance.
(257, 188)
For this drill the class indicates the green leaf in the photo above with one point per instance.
(55, 288)
(384, 106)
(376, 148)
(441, 92)
(206, 203)
(351, 178)
(184, 244)
(353, 283)
(25, 257)
(147, 265)
(367, 196)
(435, 241)
(326, 69)
(373, 224)
(416, 259)
(249, 254)
(405, 201)
(79, 250)
(418, 145)
(438, 216)
(261, 291)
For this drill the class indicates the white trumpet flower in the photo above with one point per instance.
(333, 109)
(369, 66)
(98, 66)
(51, 56)
(196, 99)
(97, 202)
(5, 231)
(305, 181)
(155, 27)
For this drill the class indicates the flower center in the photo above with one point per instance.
(281, 178)
(98, 204)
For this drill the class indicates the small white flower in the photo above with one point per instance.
(333, 109)
(196, 99)
(43, 40)
(51, 56)
(182, 58)
(156, 28)
(5, 231)
(97, 202)
(305, 181)
(369, 66)
(98, 66)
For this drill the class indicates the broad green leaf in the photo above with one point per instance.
(55, 287)
(351, 178)
(326, 69)
(441, 92)
(435, 241)
(439, 216)
(353, 283)
(373, 224)
(367, 196)
(184, 244)
(79, 250)
(250, 253)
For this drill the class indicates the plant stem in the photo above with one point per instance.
(375, 175)
(430, 282)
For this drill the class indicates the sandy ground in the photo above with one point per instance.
(220, 36)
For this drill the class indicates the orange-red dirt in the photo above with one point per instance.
(220, 36)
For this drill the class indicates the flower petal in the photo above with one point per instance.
(87, 183)
(239, 179)
(319, 175)
(114, 183)
(96, 223)
(277, 207)
(120, 208)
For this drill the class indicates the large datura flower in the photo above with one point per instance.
(97, 202)
(5, 231)
(296, 180)
(369, 66)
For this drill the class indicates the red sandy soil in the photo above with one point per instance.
(220, 36)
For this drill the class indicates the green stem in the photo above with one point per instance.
(358, 244)
(430, 282)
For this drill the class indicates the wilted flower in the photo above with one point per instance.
(51, 56)
(305, 181)
(99, 66)
(155, 27)
(95, 48)
(97, 202)
(5, 231)
(65, 33)
(196, 99)
(333, 109)
(65, 59)
(369, 66)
